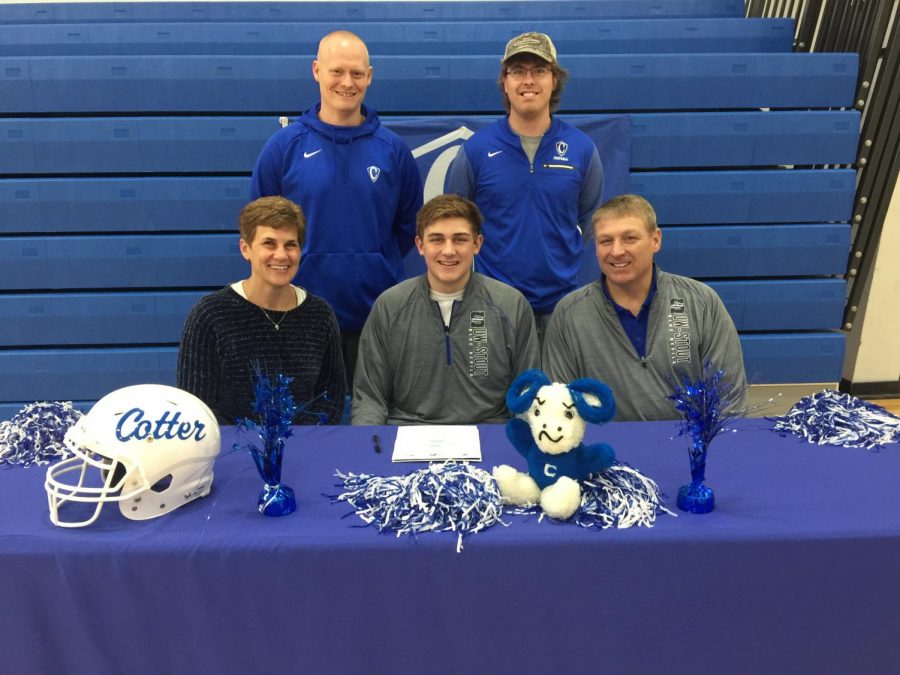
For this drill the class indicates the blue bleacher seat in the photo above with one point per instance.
(82, 374)
(150, 204)
(72, 319)
(783, 304)
(77, 145)
(713, 139)
(364, 10)
(780, 358)
(787, 196)
(129, 261)
(438, 84)
(622, 36)
(715, 251)
(122, 318)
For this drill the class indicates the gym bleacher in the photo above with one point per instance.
(129, 131)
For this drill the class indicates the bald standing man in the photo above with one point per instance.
(357, 183)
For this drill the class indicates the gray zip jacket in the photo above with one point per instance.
(688, 325)
(413, 370)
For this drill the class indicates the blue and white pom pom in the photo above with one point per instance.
(833, 418)
(618, 497)
(451, 496)
(34, 435)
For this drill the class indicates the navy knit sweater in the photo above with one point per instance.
(225, 335)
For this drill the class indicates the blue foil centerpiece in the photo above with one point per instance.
(275, 409)
(705, 405)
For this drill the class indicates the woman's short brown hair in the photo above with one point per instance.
(275, 212)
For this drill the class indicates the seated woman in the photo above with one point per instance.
(265, 324)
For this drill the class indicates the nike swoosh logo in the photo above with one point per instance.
(307, 155)
(495, 152)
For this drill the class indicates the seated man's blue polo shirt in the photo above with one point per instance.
(635, 327)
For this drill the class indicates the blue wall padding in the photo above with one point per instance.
(777, 358)
(212, 203)
(756, 250)
(85, 374)
(621, 36)
(782, 304)
(122, 204)
(88, 374)
(232, 144)
(71, 319)
(786, 196)
(438, 84)
(120, 261)
(337, 12)
(29, 320)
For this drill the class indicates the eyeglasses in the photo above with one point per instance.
(519, 73)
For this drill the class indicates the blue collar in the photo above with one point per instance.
(635, 327)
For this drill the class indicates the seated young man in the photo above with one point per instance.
(443, 348)
(265, 323)
(637, 328)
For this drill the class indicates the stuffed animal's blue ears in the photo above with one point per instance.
(524, 388)
(593, 400)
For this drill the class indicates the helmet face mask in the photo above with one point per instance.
(151, 448)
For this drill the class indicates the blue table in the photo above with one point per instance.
(797, 570)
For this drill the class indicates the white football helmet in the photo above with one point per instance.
(153, 446)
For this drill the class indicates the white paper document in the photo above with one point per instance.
(435, 443)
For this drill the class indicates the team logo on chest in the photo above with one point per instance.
(374, 173)
(562, 148)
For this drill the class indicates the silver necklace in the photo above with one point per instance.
(277, 324)
(274, 323)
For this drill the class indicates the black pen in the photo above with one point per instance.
(377, 442)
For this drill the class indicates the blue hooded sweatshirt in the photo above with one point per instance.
(360, 190)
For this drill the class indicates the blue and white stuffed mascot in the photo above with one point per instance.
(549, 438)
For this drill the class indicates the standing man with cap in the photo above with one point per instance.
(536, 179)
(355, 180)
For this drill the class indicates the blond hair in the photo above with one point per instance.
(625, 206)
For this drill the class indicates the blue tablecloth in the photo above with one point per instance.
(797, 570)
